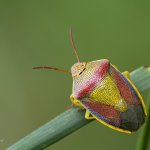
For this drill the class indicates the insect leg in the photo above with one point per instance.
(88, 115)
(75, 101)
(126, 74)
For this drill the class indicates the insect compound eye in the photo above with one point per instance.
(81, 71)
(77, 69)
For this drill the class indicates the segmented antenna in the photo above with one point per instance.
(51, 68)
(73, 45)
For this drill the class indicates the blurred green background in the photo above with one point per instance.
(34, 33)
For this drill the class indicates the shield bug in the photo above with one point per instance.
(107, 95)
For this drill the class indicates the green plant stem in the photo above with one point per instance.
(70, 121)
(52, 131)
(143, 138)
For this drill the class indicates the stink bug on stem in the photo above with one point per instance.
(107, 95)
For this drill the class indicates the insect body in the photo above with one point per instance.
(108, 95)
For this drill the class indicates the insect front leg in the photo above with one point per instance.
(88, 115)
(126, 74)
(75, 101)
